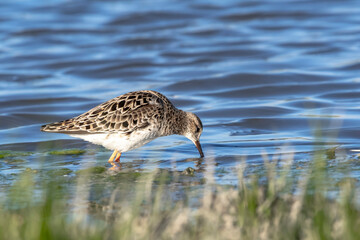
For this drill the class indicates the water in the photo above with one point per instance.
(263, 76)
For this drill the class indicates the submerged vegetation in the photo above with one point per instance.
(68, 152)
(95, 203)
(9, 154)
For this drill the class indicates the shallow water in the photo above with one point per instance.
(264, 77)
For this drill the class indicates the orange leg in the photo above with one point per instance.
(115, 167)
(111, 159)
(117, 159)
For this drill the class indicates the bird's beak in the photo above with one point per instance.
(198, 146)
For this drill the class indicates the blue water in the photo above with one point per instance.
(264, 76)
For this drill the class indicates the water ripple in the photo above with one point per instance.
(259, 73)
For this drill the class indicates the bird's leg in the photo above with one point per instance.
(117, 159)
(111, 159)
(115, 167)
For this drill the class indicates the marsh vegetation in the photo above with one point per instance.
(97, 203)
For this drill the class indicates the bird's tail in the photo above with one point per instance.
(52, 127)
(62, 126)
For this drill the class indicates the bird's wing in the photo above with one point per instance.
(124, 114)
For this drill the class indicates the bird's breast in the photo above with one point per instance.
(120, 141)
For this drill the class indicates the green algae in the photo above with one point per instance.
(9, 153)
(130, 176)
(91, 170)
(59, 172)
(14, 160)
(189, 171)
(68, 152)
(30, 170)
(331, 153)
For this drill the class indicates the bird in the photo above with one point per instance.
(129, 121)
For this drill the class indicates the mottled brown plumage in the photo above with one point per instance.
(125, 113)
(130, 117)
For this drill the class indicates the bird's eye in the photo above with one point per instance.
(197, 129)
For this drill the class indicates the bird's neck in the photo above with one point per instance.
(177, 123)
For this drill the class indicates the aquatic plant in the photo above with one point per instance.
(68, 152)
(144, 207)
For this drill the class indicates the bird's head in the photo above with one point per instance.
(193, 130)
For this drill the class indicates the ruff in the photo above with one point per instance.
(130, 121)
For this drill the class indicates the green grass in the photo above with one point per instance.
(149, 205)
